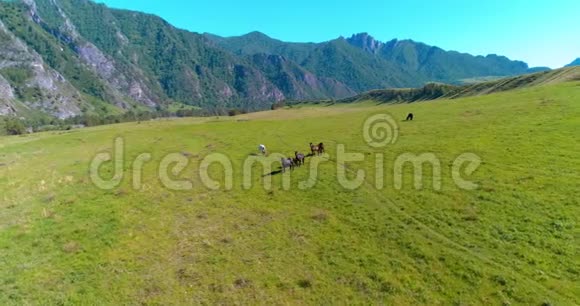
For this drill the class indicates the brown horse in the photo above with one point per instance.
(316, 149)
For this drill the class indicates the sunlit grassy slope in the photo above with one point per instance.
(434, 91)
(513, 240)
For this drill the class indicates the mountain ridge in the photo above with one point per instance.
(575, 62)
(80, 57)
(427, 64)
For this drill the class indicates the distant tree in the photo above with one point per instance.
(279, 104)
(234, 112)
(91, 120)
(185, 113)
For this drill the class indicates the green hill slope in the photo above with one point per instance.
(443, 91)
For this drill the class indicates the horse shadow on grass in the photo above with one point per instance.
(275, 172)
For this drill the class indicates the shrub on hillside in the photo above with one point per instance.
(236, 111)
(14, 126)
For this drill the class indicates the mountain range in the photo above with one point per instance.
(69, 57)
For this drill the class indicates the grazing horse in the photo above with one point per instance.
(409, 117)
(287, 163)
(320, 148)
(317, 149)
(299, 158)
(262, 149)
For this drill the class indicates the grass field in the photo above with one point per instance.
(513, 240)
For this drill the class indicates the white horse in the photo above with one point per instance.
(262, 149)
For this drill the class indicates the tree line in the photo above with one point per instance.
(13, 125)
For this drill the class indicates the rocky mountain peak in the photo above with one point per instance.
(365, 42)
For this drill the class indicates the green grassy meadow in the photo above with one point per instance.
(514, 240)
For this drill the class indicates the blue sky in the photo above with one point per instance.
(539, 32)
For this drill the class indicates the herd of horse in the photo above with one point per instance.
(299, 158)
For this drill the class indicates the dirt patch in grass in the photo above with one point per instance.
(242, 283)
(71, 247)
(320, 216)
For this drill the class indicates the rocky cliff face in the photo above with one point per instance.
(120, 84)
(297, 82)
(28, 81)
(6, 98)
